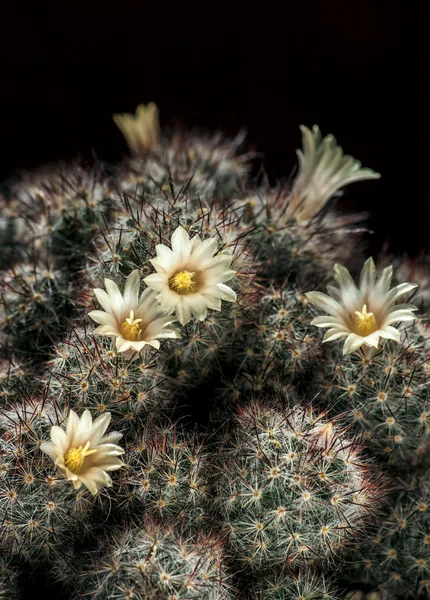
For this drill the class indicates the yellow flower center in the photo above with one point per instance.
(183, 282)
(74, 457)
(365, 322)
(130, 329)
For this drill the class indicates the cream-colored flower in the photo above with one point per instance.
(362, 314)
(142, 130)
(83, 453)
(189, 278)
(134, 321)
(323, 170)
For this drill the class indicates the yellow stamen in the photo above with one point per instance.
(74, 458)
(365, 323)
(130, 329)
(183, 282)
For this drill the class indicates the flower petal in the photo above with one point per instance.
(324, 302)
(156, 281)
(72, 424)
(180, 243)
(352, 343)
(367, 277)
(99, 427)
(224, 292)
(183, 312)
(101, 317)
(104, 300)
(390, 333)
(131, 290)
(168, 300)
(59, 438)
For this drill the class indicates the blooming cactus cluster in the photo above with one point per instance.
(173, 425)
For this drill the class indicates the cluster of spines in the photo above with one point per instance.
(396, 559)
(292, 489)
(153, 562)
(39, 511)
(87, 372)
(167, 476)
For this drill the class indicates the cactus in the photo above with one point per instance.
(172, 424)
(396, 559)
(154, 562)
(292, 489)
(303, 586)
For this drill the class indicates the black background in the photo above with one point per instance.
(358, 69)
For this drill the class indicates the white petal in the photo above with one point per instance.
(334, 334)
(224, 292)
(156, 327)
(99, 427)
(166, 258)
(50, 449)
(372, 339)
(59, 438)
(122, 345)
(180, 244)
(156, 281)
(352, 343)
(106, 330)
(154, 343)
(351, 296)
(367, 277)
(115, 296)
(197, 304)
(158, 264)
(219, 260)
(327, 321)
(101, 317)
(131, 290)
(218, 275)
(398, 316)
(168, 333)
(183, 312)
(89, 483)
(111, 438)
(104, 300)
(398, 291)
(390, 333)
(104, 450)
(83, 430)
(138, 346)
(212, 301)
(168, 300)
(205, 251)
(324, 302)
(72, 424)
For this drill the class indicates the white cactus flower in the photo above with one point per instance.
(83, 453)
(134, 321)
(190, 276)
(142, 130)
(362, 314)
(323, 170)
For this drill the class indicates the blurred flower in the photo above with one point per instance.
(134, 321)
(83, 452)
(365, 314)
(189, 278)
(142, 130)
(323, 170)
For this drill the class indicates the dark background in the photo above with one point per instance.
(357, 69)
